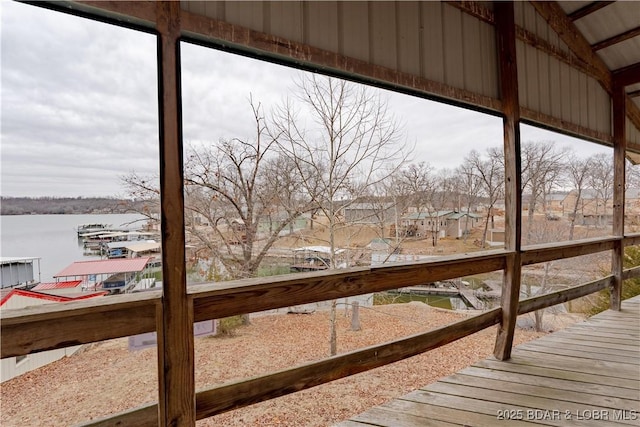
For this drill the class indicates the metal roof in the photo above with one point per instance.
(104, 266)
(613, 32)
(143, 246)
(57, 285)
(318, 249)
(43, 296)
(15, 260)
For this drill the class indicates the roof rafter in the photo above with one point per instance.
(627, 75)
(588, 9)
(619, 38)
(569, 33)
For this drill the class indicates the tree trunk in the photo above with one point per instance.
(543, 287)
(333, 341)
(486, 227)
(574, 217)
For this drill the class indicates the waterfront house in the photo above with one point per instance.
(440, 223)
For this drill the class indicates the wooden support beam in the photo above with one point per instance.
(506, 42)
(588, 9)
(545, 120)
(175, 332)
(616, 39)
(619, 161)
(476, 9)
(140, 14)
(627, 75)
(633, 93)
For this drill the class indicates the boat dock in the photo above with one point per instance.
(585, 375)
(467, 295)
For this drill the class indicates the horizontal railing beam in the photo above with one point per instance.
(242, 393)
(142, 416)
(554, 298)
(534, 254)
(631, 239)
(252, 295)
(631, 273)
(225, 397)
(52, 326)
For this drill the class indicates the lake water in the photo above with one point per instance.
(53, 238)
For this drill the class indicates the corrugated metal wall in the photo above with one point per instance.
(553, 87)
(431, 40)
(436, 42)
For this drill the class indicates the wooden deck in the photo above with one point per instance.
(585, 375)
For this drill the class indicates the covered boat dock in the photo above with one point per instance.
(113, 275)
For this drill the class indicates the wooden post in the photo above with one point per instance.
(355, 316)
(619, 148)
(506, 43)
(175, 333)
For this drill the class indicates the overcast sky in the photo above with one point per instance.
(79, 106)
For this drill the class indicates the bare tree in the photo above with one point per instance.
(354, 144)
(541, 166)
(632, 179)
(577, 172)
(601, 181)
(240, 195)
(490, 169)
(471, 184)
(421, 184)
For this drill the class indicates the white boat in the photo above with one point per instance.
(83, 229)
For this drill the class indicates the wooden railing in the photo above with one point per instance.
(60, 325)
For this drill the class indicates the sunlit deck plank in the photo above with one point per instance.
(585, 375)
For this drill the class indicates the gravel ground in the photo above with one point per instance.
(107, 378)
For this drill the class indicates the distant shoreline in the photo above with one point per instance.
(69, 205)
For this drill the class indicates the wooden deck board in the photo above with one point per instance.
(561, 350)
(589, 342)
(585, 375)
(603, 348)
(545, 372)
(530, 378)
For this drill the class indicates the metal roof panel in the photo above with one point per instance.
(57, 285)
(104, 266)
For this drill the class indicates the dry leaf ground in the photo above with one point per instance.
(107, 378)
